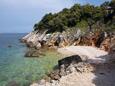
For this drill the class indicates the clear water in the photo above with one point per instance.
(15, 67)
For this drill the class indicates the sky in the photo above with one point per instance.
(19, 16)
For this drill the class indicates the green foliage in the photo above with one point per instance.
(82, 24)
(82, 16)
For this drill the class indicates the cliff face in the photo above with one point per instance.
(69, 37)
(33, 39)
(37, 39)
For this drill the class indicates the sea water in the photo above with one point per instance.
(20, 70)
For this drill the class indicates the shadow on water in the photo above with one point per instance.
(105, 72)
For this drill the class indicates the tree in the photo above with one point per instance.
(77, 15)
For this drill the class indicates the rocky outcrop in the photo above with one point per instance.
(69, 37)
(65, 67)
(39, 39)
(34, 39)
(75, 72)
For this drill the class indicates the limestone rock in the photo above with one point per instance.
(69, 60)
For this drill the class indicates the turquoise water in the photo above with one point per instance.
(14, 67)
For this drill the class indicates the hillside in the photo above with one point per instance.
(85, 25)
(80, 16)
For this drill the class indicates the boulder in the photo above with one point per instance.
(66, 64)
(69, 60)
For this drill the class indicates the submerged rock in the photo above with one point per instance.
(34, 53)
(9, 46)
(13, 83)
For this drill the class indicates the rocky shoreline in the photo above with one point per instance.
(41, 39)
(72, 71)
(74, 65)
(66, 66)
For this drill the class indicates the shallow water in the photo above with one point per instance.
(14, 67)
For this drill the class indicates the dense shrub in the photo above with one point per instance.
(80, 16)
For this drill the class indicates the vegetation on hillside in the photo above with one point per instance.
(80, 16)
